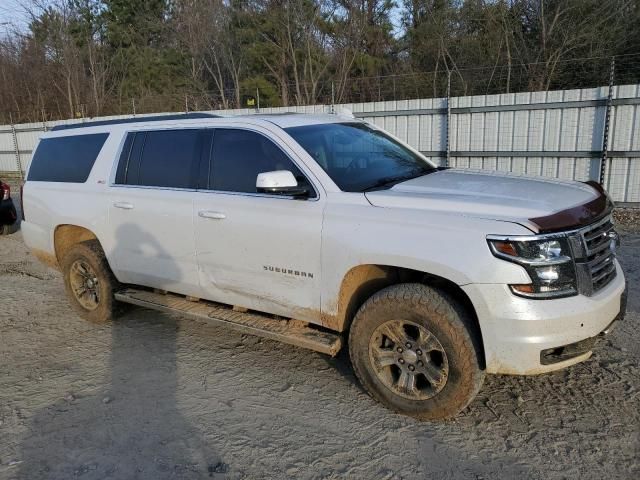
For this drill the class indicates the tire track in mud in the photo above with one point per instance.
(25, 268)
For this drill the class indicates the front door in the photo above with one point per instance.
(256, 250)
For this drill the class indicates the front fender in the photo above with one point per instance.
(453, 247)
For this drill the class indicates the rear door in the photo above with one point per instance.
(151, 210)
(256, 250)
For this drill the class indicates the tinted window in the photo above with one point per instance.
(123, 163)
(66, 159)
(358, 157)
(238, 157)
(163, 158)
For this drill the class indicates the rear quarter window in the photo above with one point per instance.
(66, 159)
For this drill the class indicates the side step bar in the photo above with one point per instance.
(249, 322)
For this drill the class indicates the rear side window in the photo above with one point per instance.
(163, 158)
(66, 159)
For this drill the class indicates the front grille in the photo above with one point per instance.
(596, 260)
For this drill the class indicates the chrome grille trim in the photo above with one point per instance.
(611, 269)
(603, 246)
(595, 260)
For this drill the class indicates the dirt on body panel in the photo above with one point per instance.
(46, 258)
(65, 236)
(358, 284)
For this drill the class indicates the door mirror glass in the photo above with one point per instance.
(280, 182)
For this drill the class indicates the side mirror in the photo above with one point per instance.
(280, 182)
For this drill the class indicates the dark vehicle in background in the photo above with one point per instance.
(8, 215)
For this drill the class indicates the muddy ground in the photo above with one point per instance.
(152, 397)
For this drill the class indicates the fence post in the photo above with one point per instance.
(607, 121)
(333, 98)
(446, 160)
(14, 136)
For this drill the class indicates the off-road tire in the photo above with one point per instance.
(444, 318)
(92, 254)
(9, 229)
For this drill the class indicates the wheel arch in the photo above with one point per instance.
(67, 235)
(363, 281)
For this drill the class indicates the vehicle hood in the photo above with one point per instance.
(539, 203)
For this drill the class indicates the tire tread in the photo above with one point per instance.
(429, 300)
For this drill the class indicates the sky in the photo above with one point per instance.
(12, 14)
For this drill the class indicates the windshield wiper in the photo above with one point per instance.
(385, 182)
(391, 181)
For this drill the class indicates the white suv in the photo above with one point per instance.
(308, 228)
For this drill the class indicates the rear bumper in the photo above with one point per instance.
(8, 214)
(528, 337)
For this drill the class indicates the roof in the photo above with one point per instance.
(152, 118)
(282, 120)
(286, 120)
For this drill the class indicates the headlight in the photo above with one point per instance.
(548, 262)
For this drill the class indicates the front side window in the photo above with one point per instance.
(357, 157)
(161, 158)
(238, 156)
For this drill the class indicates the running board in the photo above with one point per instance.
(246, 322)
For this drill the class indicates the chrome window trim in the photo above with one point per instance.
(151, 187)
(260, 195)
(223, 192)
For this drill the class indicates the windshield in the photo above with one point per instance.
(357, 157)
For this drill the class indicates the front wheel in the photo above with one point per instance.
(89, 282)
(413, 350)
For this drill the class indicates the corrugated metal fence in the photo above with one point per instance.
(556, 134)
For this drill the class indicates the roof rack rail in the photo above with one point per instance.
(151, 118)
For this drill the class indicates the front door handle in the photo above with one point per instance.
(212, 215)
(123, 205)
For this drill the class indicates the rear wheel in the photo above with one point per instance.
(89, 282)
(413, 350)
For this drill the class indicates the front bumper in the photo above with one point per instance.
(8, 214)
(521, 336)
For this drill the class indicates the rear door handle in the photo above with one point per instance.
(212, 215)
(123, 205)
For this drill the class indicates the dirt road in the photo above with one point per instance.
(154, 397)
